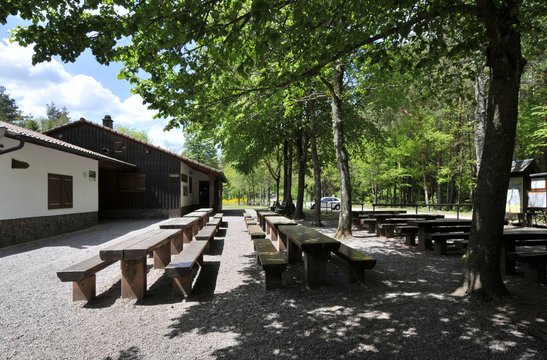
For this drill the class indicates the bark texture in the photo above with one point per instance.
(482, 275)
(336, 92)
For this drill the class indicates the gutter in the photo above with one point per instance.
(4, 132)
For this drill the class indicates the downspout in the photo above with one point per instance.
(3, 132)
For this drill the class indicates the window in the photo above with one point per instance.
(132, 182)
(59, 191)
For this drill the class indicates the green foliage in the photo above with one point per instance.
(133, 132)
(9, 112)
(55, 117)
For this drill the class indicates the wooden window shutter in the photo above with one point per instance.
(66, 191)
(132, 182)
(59, 191)
(54, 191)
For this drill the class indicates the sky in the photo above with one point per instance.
(86, 88)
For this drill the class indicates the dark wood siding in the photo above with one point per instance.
(161, 190)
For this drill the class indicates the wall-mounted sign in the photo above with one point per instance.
(92, 175)
(183, 177)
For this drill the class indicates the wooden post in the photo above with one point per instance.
(133, 278)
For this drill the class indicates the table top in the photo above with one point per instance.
(440, 222)
(280, 220)
(267, 213)
(261, 209)
(524, 233)
(138, 246)
(372, 212)
(179, 223)
(196, 214)
(309, 239)
(207, 210)
(404, 216)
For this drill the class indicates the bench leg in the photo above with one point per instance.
(274, 279)
(182, 286)
(410, 239)
(133, 278)
(315, 268)
(440, 246)
(273, 234)
(162, 256)
(84, 290)
(371, 228)
(534, 272)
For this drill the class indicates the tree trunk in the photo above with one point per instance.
(336, 92)
(481, 96)
(316, 167)
(482, 275)
(301, 158)
(287, 185)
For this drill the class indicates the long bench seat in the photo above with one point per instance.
(82, 276)
(534, 265)
(273, 263)
(185, 265)
(256, 232)
(440, 239)
(356, 262)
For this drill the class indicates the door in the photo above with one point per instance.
(204, 194)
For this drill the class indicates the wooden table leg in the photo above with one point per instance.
(162, 256)
(177, 243)
(133, 278)
(282, 243)
(294, 254)
(315, 268)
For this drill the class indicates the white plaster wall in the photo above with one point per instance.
(23, 192)
(197, 176)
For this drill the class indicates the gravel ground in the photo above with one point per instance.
(404, 310)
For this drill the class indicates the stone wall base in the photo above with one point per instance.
(18, 231)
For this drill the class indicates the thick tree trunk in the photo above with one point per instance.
(482, 275)
(336, 92)
(481, 96)
(301, 158)
(316, 167)
(287, 185)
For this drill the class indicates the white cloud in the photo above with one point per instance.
(172, 140)
(35, 86)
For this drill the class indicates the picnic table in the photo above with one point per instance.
(203, 217)
(132, 254)
(315, 246)
(261, 214)
(207, 210)
(381, 218)
(518, 237)
(272, 224)
(426, 227)
(188, 225)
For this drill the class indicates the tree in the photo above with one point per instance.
(55, 117)
(9, 112)
(133, 132)
(200, 54)
(201, 149)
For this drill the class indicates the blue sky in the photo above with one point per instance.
(86, 88)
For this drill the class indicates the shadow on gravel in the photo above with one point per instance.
(106, 230)
(216, 247)
(132, 353)
(395, 314)
(106, 298)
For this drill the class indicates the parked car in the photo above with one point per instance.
(328, 202)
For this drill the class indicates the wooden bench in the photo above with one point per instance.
(273, 263)
(388, 229)
(184, 267)
(440, 239)
(214, 222)
(409, 232)
(83, 277)
(218, 216)
(249, 221)
(206, 234)
(534, 265)
(356, 262)
(256, 232)
(371, 224)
